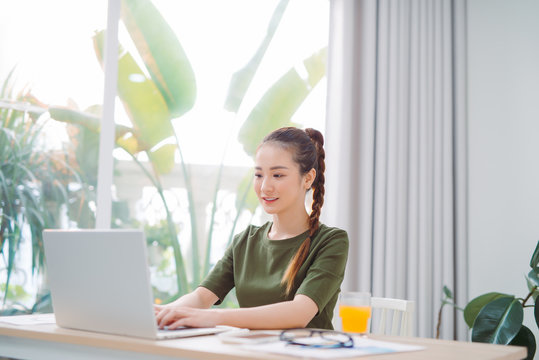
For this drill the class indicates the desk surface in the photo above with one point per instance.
(48, 341)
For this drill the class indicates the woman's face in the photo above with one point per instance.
(278, 183)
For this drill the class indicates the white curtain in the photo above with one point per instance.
(396, 151)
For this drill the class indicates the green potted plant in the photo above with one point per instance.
(497, 318)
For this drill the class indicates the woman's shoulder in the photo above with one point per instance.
(325, 231)
(330, 240)
(330, 236)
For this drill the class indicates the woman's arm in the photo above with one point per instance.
(283, 315)
(200, 298)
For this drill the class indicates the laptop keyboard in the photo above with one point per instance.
(186, 332)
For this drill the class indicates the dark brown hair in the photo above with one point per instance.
(307, 148)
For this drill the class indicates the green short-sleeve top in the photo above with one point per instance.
(254, 264)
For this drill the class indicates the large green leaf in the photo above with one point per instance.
(86, 119)
(473, 307)
(143, 102)
(145, 106)
(281, 101)
(124, 136)
(525, 338)
(163, 158)
(241, 80)
(162, 54)
(498, 322)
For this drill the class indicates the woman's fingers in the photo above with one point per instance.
(160, 316)
(173, 317)
(170, 316)
(176, 324)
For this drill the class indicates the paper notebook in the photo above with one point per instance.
(362, 347)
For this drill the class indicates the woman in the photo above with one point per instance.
(287, 272)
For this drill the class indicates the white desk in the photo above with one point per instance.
(47, 341)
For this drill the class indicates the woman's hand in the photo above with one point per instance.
(176, 316)
(286, 314)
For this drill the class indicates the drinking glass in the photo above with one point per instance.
(355, 311)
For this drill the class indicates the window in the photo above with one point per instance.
(198, 158)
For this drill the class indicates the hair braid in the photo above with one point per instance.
(314, 218)
(318, 185)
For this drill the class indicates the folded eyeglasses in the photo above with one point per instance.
(317, 338)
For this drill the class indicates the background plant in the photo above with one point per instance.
(34, 192)
(160, 90)
(497, 318)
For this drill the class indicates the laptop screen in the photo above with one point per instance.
(99, 281)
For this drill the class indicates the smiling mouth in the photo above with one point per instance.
(269, 199)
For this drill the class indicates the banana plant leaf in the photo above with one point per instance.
(241, 80)
(21, 106)
(499, 321)
(89, 121)
(162, 54)
(474, 307)
(281, 101)
(85, 119)
(146, 108)
(525, 338)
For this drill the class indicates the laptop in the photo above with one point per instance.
(100, 281)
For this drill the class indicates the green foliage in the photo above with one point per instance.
(525, 338)
(498, 321)
(277, 106)
(535, 258)
(163, 88)
(34, 182)
(448, 293)
(163, 55)
(241, 80)
(497, 318)
(14, 292)
(474, 307)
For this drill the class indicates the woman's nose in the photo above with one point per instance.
(266, 185)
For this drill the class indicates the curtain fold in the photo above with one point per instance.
(396, 161)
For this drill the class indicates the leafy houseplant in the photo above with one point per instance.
(34, 191)
(497, 318)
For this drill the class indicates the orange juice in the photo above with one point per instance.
(355, 318)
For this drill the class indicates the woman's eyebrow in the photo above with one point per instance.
(272, 168)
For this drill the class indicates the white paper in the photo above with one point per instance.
(34, 319)
(362, 347)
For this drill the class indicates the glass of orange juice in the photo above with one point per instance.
(355, 311)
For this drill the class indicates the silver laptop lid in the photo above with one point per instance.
(99, 281)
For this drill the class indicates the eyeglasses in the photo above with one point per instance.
(317, 338)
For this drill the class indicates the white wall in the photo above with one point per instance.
(503, 112)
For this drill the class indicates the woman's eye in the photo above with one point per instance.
(277, 175)
(258, 175)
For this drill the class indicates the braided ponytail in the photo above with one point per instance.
(308, 151)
